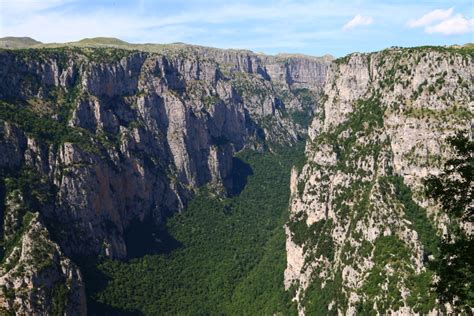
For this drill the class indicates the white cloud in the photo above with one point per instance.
(443, 22)
(357, 21)
(430, 17)
(455, 25)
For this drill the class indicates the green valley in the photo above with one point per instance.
(231, 256)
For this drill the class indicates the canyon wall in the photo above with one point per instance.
(93, 140)
(361, 231)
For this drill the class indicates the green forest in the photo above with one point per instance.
(229, 254)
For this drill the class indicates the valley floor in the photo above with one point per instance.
(229, 254)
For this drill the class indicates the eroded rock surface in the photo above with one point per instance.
(361, 230)
(92, 140)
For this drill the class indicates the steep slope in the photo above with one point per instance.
(361, 232)
(96, 140)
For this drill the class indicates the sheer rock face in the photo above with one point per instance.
(133, 135)
(296, 71)
(361, 231)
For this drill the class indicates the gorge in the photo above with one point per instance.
(179, 179)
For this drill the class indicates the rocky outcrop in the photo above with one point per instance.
(361, 231)
(93, 140)
(36, 277)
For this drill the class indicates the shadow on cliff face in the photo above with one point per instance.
(146, 238)
(240, 172)
(95, 282)
(141, 238)
(2, 211)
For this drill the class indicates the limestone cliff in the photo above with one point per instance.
(361, 231)
(94, 139)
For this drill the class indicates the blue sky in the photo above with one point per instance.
(310, 27)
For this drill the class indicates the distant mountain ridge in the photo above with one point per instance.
(112, 42)
(18, 42)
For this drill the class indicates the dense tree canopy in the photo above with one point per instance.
(228, 256)
(453, 188)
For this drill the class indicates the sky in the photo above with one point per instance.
(333, 27)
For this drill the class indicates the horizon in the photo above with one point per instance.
(293, 27)
(96, 42)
